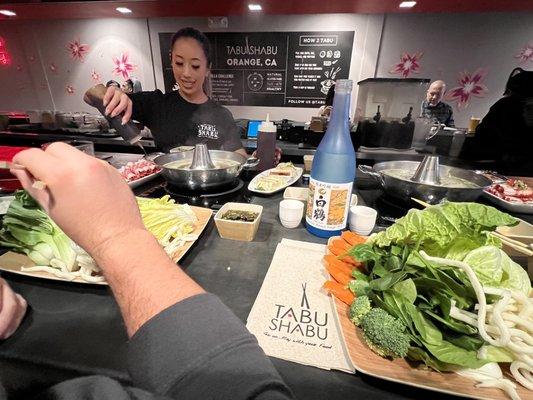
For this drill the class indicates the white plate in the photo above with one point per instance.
(144, 179)
(5, 201)
(291, 179)
(514, 207)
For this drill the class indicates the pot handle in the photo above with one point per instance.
(249, 164)
(365, 169)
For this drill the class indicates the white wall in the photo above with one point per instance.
(29, 83)
(452, 43)
(364, 53)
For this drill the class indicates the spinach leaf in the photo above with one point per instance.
(406, 288)
(387, 281)
(452, 354)
(466, 342)
(452, 324)
(418, 354)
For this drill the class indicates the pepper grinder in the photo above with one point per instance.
(129, 131)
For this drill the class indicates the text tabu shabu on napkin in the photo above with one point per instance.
(292, 317)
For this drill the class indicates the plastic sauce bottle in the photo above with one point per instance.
(266, 144)
(333, 173)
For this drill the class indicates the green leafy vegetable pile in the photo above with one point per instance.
(418, 294)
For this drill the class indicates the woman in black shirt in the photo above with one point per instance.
(186, 116)
(505, 134)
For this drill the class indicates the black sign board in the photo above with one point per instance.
(279, 69)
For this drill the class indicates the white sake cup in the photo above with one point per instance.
(291, 213)
(362, 219)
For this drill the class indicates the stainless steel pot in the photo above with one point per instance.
(203, 179)
(404, 189)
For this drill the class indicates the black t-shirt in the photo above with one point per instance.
(504, 135)
(176, 122)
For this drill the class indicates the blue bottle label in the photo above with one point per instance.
(328, 204)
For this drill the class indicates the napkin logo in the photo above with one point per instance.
(300, 321)
(207, 131)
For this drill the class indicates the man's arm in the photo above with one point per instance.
(165, 309)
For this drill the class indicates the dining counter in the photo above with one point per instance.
(290, 151)
(75, 329)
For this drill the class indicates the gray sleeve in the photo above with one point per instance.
(198, 349)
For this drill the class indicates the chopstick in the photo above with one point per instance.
(514, 244)
(40, 185)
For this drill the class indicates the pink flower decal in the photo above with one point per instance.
(526, 53)
(470, 85)
(19, 68)
(53, 68)
(70, 89)
(31, 58)
(123, 66)
(408, 64)
(95, 76)
(77, 50)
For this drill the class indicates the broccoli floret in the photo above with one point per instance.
(359, 287)
(360, 306)
(384, 334)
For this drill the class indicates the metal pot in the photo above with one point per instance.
(203, 179)
(404, 189)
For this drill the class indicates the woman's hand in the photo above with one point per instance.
(12, 310)
(277, 155)
(117, 102)
(86, 197)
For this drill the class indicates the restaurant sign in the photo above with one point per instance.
(280, 69)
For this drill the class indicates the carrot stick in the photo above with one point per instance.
(352, 238)
(339, 275)
(341, 243)
(345, 267)
(340, 292)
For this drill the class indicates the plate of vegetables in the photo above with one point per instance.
(39, 248)
(275, 179)
(434, 302)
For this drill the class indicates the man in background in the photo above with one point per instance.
(434, 108)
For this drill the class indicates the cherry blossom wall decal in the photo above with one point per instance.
(409, 63)
(31, 58)
(470, 85)
(70, 89)
(95, 76)
(19, 68)
(78, 50)
(123, 66)
(53, 68)
(5, 57)
(526, 53)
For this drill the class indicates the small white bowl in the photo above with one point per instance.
(362, 219)
(291, 213)
(238, 230)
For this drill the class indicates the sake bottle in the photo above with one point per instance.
(333, 173)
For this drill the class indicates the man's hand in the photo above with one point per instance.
(12, 310)
(86, 197)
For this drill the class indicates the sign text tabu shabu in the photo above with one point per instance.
(280, 69)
